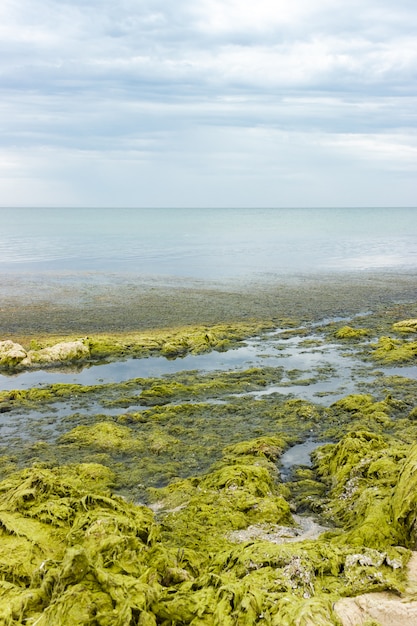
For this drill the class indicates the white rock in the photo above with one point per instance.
(11, 354)
(64, 351)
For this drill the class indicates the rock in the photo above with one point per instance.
(385, 608)
(11, 354)
(64, 351)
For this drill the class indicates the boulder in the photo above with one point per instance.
(64, 351)
(11, 354)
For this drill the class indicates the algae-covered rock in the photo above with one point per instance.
(363, 407)
(171, 343)
(268, 447)
(240, 490)
(347, 332)
(362, 472)
(61, 352)
(389, 350)
(14, 356)
(11, 354)
(73, 553)
(406, 326)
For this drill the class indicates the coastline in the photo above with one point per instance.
(39, 304)
(187, 469)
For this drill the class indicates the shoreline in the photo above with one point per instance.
(186, 471)
(44, 304)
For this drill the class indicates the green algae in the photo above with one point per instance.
(388, 350)
(347, 332)
(69, 551)
(406, 326)
(95, 558)
(364, 407)
(103, 436)
(182, 566)
(366, 474)
(194, 386)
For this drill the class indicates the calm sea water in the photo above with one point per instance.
(207, 243)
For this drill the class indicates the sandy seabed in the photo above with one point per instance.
(86, 303)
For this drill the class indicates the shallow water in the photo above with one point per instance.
(207, 243)
(300, 362)
(300, 454)
(312, 368)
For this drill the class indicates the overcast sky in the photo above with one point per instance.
(208, 103)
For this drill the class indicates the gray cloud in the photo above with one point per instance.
(204, 91)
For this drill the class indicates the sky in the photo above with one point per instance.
(199, 103)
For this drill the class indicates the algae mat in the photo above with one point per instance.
(176, 512)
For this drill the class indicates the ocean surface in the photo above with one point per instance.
(209, 244)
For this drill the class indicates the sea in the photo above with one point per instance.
(206, 244)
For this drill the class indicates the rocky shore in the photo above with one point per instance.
(163, 500)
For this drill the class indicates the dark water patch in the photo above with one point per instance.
(300, 454)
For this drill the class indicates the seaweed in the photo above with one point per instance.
(221, 539)
(347, 332)
(389, 350)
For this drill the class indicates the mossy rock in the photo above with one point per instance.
(347, 332)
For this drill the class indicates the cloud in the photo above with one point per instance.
(102, 86)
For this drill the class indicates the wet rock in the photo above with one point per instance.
(64, 351)
(11, 354)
